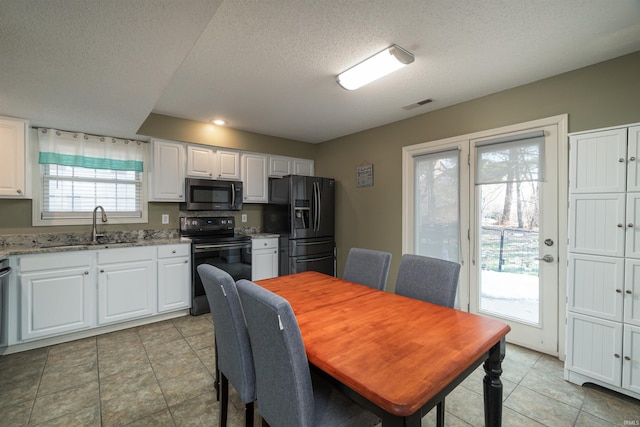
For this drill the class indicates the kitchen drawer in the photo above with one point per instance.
(170, 251)
(264, 243)
(111, 256)
(54, 261)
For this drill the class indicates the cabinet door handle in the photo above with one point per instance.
(632, 159)
(19, 191)
(620, 225)
(186, 261)
(621, 160)
(629, 292)
(173, 251)
(618, 291)
(627, 358)
(630, 225)
(101, 271)
(86, 273)
(616, 355)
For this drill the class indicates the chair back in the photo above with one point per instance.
(283, 380)
(235, 359)
(428, 279)
(367, 267)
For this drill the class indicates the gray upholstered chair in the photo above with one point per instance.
(288, 393)
(367, 267)
(429, 279)
(234, 359)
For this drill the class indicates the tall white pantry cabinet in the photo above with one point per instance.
(603, 305)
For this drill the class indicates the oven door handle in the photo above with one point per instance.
(324, 242)
(202, 248)
(5, 272)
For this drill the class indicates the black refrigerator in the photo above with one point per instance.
(301, 210)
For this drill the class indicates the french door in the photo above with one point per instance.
(490, 201)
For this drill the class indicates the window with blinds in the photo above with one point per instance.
(73, 192)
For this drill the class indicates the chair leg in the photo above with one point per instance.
(224, 399)
(248, 414)
(440, 414)
(216, 380)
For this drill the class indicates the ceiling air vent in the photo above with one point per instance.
(417, 104)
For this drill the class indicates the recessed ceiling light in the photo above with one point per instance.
(219, 122)
(382, 63)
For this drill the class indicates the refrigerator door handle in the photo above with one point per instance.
(319, 204)
(301, 261)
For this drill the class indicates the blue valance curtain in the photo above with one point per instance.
(89, 151)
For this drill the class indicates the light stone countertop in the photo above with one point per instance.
(24, 244)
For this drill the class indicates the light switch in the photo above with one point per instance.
(165, 218)
(244, 217)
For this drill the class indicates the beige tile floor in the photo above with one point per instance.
(162, 375)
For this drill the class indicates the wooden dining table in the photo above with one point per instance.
(397, 356)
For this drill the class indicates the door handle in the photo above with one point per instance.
(546, 258)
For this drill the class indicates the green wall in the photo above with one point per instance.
(602, 95)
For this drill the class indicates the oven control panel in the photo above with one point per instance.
(207, 224)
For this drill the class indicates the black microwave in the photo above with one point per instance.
(212, 195)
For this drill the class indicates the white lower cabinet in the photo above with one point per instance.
(57, 294)
(61, 293)
(174, 270)
(264, 258)
(126, 284)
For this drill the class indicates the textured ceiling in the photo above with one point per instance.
(269, 66)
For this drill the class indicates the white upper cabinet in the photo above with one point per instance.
(633, 153)
(200, 161)
(280, 166)
(598, 162)
(254, 178)
(227, 164)
(14, 174)
(167, 171)
(303, 167)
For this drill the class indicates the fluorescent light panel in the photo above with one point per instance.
(382, 63)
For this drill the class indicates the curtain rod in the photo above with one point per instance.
(91, 134)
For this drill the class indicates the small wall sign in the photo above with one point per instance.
(364, 175)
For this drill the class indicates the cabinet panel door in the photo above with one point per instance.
(126, 291)
(264, 264)
(13, 174)
(56, 302)
(167, 173)
(174, 291)
(595, 286)
(632, 292)
(632, 237)
(597, 224)
(303, 167)
(631, 363)
(279, 166)
(228, 164)
(633, 159)
(594, 348)
(254, 177)
(598, 161)
(200, 162)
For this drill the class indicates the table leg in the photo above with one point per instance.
(493, 385)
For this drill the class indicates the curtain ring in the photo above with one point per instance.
(58, 133)
(75, 135)
(102, 139)
(86, 137)
(43, 130)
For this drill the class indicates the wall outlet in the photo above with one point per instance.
(244, 217)
(165, 218)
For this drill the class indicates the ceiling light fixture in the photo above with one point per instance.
(219, 122)
(382, 63)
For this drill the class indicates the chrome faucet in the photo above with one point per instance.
(94, 231)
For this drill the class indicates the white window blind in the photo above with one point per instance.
(515, 158)
(80, 172)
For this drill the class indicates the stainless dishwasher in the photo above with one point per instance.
(5, 270)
